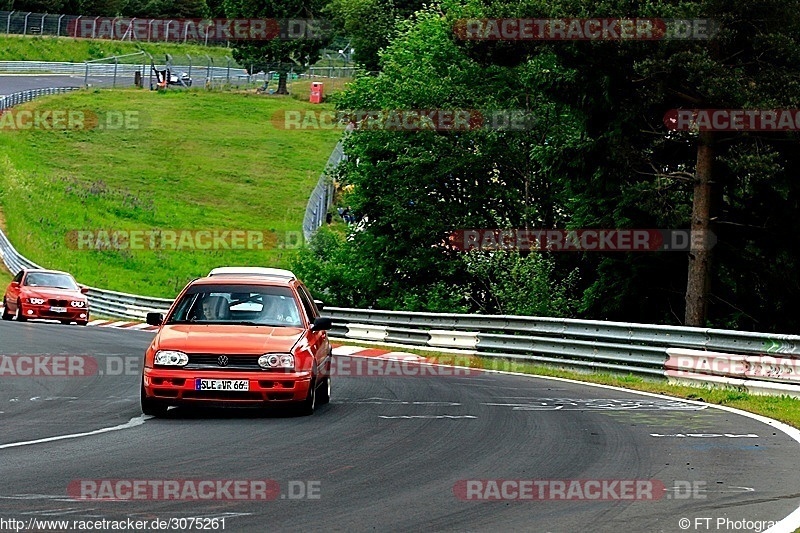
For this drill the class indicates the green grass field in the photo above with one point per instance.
(198, 161)
(50, 48)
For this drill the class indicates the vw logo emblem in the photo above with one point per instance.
(222, 360)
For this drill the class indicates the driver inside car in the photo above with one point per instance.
(209, 308)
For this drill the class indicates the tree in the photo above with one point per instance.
(370, 25)
(600, 157)
(414, 188)
(631, 162)
(279, 54)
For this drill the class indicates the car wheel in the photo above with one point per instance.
(152, 407)
(325, 392)
(85, 322)
(310, 403)
(66, 322)
(6, 314)
(19, 316)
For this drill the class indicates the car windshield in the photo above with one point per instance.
(252, 305)
(50, 279)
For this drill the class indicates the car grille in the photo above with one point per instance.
(58, 303)
(211, 361)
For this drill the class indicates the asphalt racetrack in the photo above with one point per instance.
(445, 452)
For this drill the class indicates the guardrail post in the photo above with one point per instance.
(116, 63)
(86, 76)
(58, 30)
(25, 27)
(228, 78)
(8, 23)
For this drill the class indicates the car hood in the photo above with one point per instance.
(216, 338)
(53, 292)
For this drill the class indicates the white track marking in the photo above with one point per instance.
(431, 417)
(347, 350)
(134, 422)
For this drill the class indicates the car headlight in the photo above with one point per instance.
(77, 303)
(171, 358)
(36, 301)
(276, 360)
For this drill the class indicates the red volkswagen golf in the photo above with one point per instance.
(51, 294)
(244, 338)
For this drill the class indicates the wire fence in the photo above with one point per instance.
(192, 71)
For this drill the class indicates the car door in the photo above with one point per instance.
(317, 340)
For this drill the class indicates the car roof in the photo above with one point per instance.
(253, 271)
(45, 271)
(231, 279)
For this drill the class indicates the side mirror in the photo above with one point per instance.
(320, 304)
(155, 319)
(84, 290)
(322, 323)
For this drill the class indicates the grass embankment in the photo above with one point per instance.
(51, 48)
(197, 161)
(783, 408)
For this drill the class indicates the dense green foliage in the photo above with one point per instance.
(599, 156)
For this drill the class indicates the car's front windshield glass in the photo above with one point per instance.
(50, 279)
(237, 304)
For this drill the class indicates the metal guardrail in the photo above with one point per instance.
(495, 329)
(10, 100)
(322, 196)
(581, 344)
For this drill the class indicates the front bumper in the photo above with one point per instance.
(177, 387)
(73, 314)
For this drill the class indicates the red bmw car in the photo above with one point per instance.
(239, 337)
(50, 294)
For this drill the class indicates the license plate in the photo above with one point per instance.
(58, 309)
(222, 384)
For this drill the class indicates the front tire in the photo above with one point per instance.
(325, 392)
(19, 316)
(152, 407)
(6, 314)
(308, 405)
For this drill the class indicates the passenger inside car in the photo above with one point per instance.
(279, 309)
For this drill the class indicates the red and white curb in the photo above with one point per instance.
(122, 324)
(360, 351)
